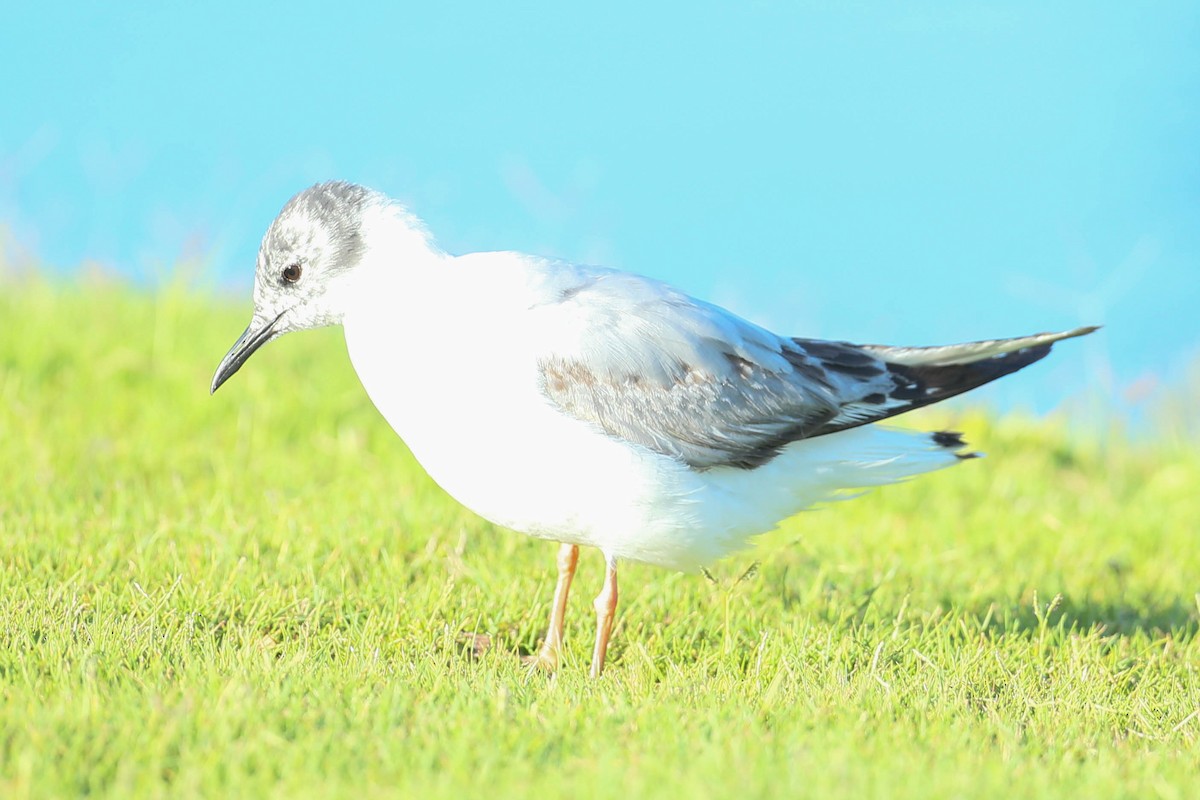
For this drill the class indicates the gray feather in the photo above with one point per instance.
(969, 352)
(691, 381)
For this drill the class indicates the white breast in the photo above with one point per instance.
(451, 361)
(460, 386)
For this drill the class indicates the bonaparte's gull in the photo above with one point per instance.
(594, 407)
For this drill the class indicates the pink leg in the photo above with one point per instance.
(606, 611)
(547, 657)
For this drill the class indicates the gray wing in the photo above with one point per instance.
(687, 379)
(694, 382)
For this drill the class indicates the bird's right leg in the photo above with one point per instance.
(606, 611)
(547, 657)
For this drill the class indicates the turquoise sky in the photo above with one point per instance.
(906, 172)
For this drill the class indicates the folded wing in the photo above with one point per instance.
(689, 380)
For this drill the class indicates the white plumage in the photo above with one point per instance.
(452, 359)
(594, 407)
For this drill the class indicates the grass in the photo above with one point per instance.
(260, 594)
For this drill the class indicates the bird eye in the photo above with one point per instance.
(291, 273)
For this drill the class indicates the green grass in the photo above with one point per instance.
(260, 594)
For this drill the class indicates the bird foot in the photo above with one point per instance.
(545, 660)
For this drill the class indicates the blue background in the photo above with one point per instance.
(909, 173)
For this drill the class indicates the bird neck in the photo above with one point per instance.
(400, 261)
(389, 230)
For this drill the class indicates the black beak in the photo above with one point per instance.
(254, 337)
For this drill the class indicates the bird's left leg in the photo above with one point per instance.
(547, 657)
(606, 611)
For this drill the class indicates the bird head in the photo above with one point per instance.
(308, 257)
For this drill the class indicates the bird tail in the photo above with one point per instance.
(972, 352)
(928, 375)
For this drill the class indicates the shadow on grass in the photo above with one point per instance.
(1153, 617)
(1127, 615)
(1117, 611)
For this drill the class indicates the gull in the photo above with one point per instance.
(594, 407)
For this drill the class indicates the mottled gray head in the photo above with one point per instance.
(305, 258)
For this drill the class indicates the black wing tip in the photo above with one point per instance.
(948, 439)
(953, 440)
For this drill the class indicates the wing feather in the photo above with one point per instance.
(653, 366)
(687, 379)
